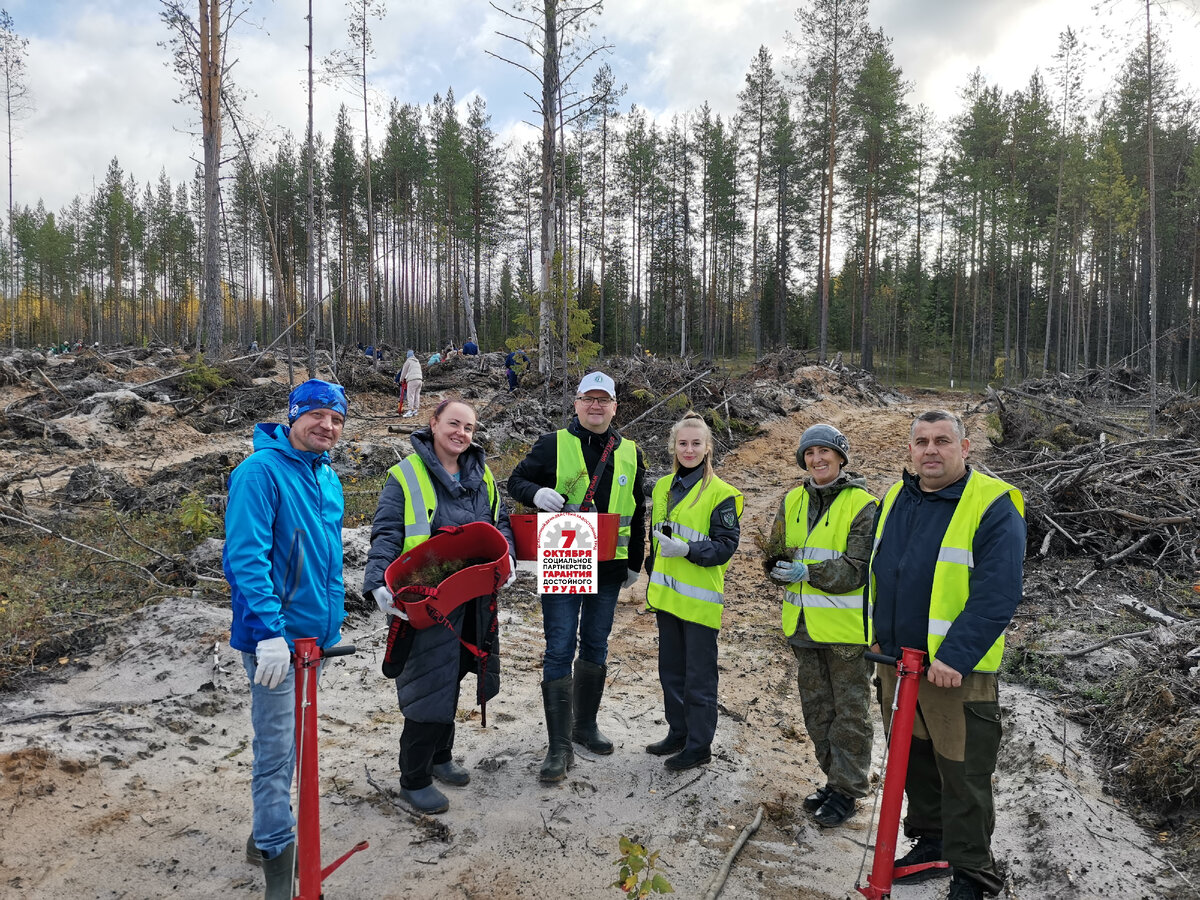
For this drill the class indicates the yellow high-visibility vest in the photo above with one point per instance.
(691, 592)
(573, 480)
(413, 476)
(952, 573)
(828, 618)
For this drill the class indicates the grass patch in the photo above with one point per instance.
(1039, 672)
(509, 454)
(57, 595)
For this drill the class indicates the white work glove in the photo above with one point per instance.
(512, 572)
(384, 598)
(548, 500)
(631, 577)
(274, 660)
(790, 571)
(668, 545)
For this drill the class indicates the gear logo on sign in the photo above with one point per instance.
(567, 553)
(562, 535)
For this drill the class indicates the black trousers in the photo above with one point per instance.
(687, 669)
(422, 746)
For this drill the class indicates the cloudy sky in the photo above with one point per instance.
(100, 84)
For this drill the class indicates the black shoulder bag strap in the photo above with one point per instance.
(600, 467)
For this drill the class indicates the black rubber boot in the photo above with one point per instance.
(589, 688)
(279, 871)
(556, 699)
(253, 854)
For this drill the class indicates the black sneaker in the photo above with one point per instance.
(814, 800)
(836, 809)
(964, 888)
(925, 850)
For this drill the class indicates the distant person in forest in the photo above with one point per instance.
(694, 533)
(412, 376)
(945, 577)
(434, 358)
(283, 562)
(253, 346)
(827, 525)
(589, 466)
(515, 364)
(470, 348)
(401, 390)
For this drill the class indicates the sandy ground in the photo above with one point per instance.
(127, 774)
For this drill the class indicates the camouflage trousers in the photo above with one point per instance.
(835, 696)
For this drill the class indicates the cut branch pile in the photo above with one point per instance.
(1087, 495)
(1113, 502)
(1150, 724)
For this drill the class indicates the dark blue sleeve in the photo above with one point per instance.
(387, 534)
(637, 522)
(995, 587)
(722, 539)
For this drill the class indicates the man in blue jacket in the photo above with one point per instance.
(945, 578)
(283, 562)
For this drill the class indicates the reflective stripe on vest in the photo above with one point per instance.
(679, 587)
(952, 572)
(573, 480)
(412, 475)
(828, 618)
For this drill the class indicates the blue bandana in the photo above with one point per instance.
(315, 394)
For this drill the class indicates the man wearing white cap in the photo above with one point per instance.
(557, 473)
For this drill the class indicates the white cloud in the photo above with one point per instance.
(102, 88)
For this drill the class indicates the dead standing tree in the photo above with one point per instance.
(350, 65)
(555, 34)
(15, 95)
(198, 50)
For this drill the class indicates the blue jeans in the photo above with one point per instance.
(273, 718)
(577, 619)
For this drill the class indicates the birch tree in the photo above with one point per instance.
(551, 27)
(13, 48)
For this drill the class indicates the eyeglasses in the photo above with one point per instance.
(594, 401)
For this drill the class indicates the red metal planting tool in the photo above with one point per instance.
(307, 657)
(909, 669)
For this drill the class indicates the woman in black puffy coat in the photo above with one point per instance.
(456, 487)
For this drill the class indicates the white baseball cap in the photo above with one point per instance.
(597, 381)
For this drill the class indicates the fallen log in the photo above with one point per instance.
(1078, 416)
(1147, 613)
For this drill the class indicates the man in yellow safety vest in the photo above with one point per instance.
(946, 575)
(562, 467)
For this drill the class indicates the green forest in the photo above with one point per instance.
(1027, 234)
